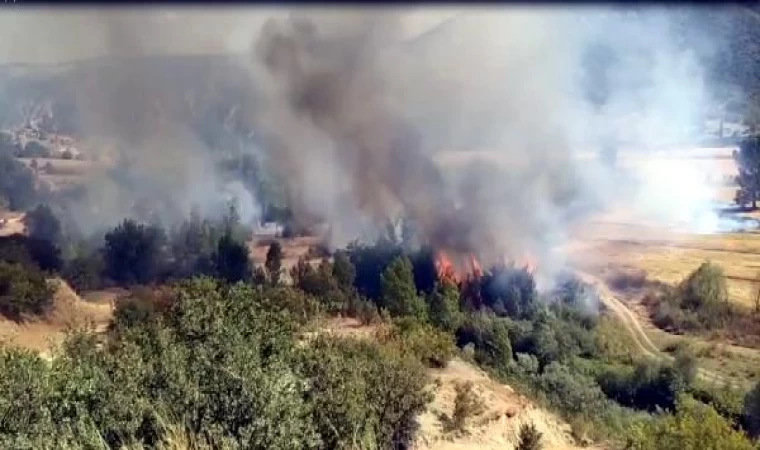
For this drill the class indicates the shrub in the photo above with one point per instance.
(363, 394)
(530, 438)
(571, 393)
(490, 337)
(84, 272)
(23, 290)
(362, 309)
(527, 364)
(694, 426)
(648, 386)
(467, 405)
(31, 252)
(704, 293)
(431, 346)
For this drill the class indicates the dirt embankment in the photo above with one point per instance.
(69, 311)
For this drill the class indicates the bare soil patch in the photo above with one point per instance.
(69, 311)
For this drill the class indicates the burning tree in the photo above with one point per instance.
(748, 162)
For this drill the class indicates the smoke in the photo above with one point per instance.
(163, 116)
(368, 119)
(356, 116)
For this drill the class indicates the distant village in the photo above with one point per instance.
(34, 138)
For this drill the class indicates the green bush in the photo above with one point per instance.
(694, 426)
(699, 303)
(648, 385)
(704, 290)
(222, 364)
(467, 405)
(362, 309)
(572, 393)
(431, 346)
(23, 290)
(490, 337)
(364, 395)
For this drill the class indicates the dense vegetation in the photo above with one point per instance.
(221, 364)
(191, 359)
(700, 304)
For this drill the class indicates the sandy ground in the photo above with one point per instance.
(69, 312)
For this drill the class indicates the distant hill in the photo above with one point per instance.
(209, 91)
(200, 90)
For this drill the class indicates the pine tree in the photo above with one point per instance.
(748, 162)
(274, 262)
(343, 270)
(444, 307)
(399, 294)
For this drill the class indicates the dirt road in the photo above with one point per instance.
(634, 328)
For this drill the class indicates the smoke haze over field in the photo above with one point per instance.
(354, 107)
(346, 92)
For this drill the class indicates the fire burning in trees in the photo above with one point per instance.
(459, 270)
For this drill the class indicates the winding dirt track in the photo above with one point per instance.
(634, 328)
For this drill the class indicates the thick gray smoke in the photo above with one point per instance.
(358, 117)
(369, 117)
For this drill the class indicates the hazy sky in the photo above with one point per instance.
(54, 35)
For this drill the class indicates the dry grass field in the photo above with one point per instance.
(669, 256)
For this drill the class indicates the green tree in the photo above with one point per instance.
(133, 253)
(23, 290)
(84, 272)
(41, 223)
(17, 184)
(444, 307)
(231, 261)
(399, 293)
(343, 270)
(748, 162)
(273, 262)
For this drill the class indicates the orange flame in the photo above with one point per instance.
(528, 263)
(445, 268)
(477, 271)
